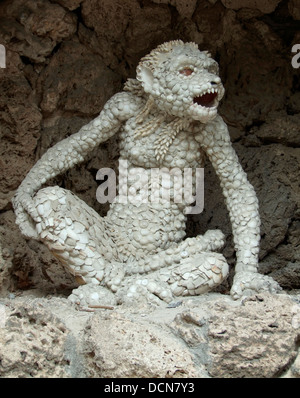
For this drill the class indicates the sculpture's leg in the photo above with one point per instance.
(80, 239)
(74, 233)
(188, 268)
(189, 274)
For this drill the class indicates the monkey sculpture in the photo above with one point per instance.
(167, 119)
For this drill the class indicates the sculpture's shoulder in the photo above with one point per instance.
(127, 103)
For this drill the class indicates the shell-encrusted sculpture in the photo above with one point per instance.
(167, 118)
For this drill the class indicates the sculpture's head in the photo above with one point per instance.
(182, 80)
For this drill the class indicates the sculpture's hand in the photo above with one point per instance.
(26, 214)
(246, 283)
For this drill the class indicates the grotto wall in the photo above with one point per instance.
(66, 58)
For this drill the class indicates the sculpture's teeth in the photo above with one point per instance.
(207, 98)
(210, 90)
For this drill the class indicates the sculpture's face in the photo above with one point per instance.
(184, 82)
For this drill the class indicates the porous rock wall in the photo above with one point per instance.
(209, 336)
(66, 58)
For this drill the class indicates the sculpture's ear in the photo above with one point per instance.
(145, 76)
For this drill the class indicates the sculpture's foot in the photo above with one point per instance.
(150, 289)
(91, 295)
(213, 240)
(143, 291)
(192, 275)
(249, 283)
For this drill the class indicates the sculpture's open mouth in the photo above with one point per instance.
(207, 100)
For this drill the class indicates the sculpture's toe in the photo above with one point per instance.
(144, 291)
(92, 296)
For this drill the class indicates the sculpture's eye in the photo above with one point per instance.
(186, 71)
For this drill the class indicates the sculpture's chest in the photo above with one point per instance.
(158, 145)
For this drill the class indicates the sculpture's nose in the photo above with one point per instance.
(215, 81)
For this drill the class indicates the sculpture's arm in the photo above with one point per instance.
(67, 153)
(242, 205)
(239, 194)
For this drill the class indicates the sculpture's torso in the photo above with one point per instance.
(166, 219)
(184, 151)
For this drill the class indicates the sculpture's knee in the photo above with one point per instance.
(213, 270)
(48, 199)
(51, 203)
(201, 273)
(219, 268)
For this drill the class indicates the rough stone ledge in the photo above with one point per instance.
(205, 337)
